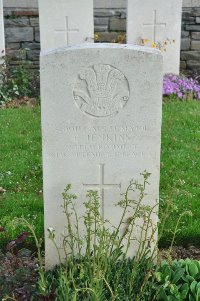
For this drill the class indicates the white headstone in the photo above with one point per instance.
(158, 21)
(2, 37)
(101, 124)
(65, 23)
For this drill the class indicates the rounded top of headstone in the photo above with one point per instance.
(113, 46)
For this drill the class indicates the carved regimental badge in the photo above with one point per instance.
(101, 91)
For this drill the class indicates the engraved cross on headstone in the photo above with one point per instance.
(66, 31)
(102, 186)
(155, 25)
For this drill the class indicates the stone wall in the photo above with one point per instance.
(190, 42)
(22, 29)
(22, 35)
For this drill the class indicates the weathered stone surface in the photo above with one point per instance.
(18, 34)
(192, 27)
(195, 35)
(15, 46)
(34, 21)
(100, 28)
(110, 4)
(21, 21)
(26, 13)
(106, 37)
(31, 46)
(195, 45)
(157, 21)
(118, 24)
(197, 19)
(2, 38)
(65, 23)
(191, 3)
(101, 21)
(123, 14)
(188, 20)
(95, 145)
(33, 55)
(183, 65)
(37, 34)
(194, 65)
(16, 54)
(185, 44)
(21, 3)
(196, 11)
(106, 13)
(184, 34)
(190, 55)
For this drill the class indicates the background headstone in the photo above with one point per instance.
(65, 23)
(2, 38)
(159, 21)
(101, 124)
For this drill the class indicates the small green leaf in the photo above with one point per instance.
(193, 269)
(193, 287)
(162, 295)
(189, 278)
(178, 274)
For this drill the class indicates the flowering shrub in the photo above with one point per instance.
(182, 87)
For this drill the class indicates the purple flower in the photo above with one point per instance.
(181, 86)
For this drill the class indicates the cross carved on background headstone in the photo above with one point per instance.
(155, 25)
(66, 31)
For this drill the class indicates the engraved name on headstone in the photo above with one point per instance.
(101, 125)
(157, 22)
(65, 23)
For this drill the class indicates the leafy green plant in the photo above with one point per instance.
(17, 81)
(95, 266)
(178, 281)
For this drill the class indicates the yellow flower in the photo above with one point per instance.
(153, 45)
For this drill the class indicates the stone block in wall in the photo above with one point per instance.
(100, 28)
(196, 11)
(184, 34)
(33, 55)
(195, 45)
(101, 21)
(18, 34)
(183, 64)
(193, 65)
(185, 44)
(16, 54)
(187, 18)
(108, 37)
(37, 34)
(192, 27)
(106, 13)
(195, 35)
(31, 46)
(21, 21)
(190, 55)
(34, 21)
(117, 24)
(109, 3)
(21, 3)
(14, 46)
(197, 20)
(27, 12)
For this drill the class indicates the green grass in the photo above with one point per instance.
(21, 170)
(180, 168)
